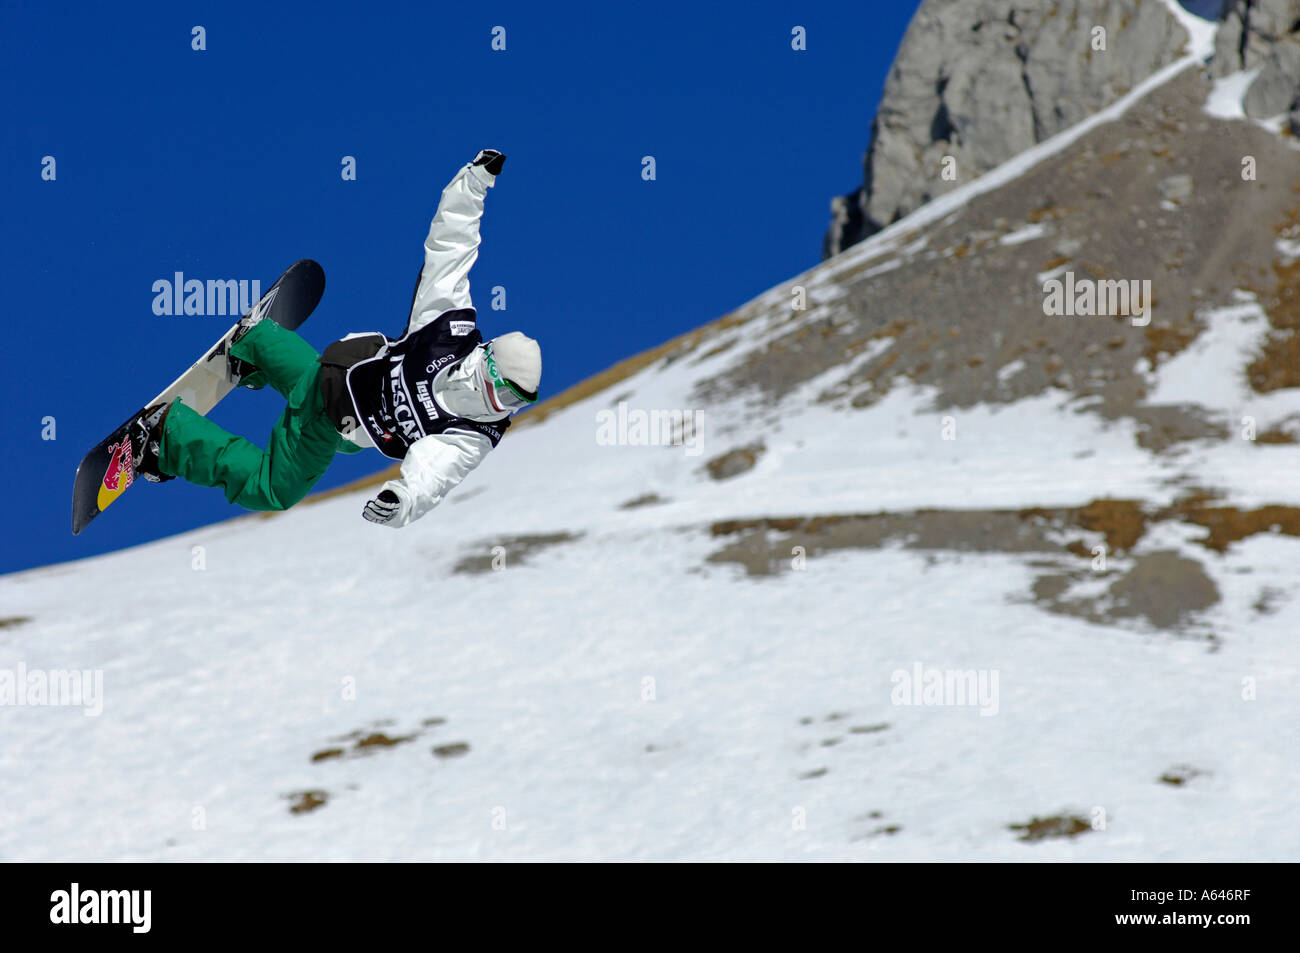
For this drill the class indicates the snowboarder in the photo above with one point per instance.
(438, 398)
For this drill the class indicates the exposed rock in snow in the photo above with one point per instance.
(1248, 31)
(982, 80)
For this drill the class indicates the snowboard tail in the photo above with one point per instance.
(106, 472)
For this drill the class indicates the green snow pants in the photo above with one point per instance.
(303, 441)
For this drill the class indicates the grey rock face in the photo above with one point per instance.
(982, 80)
(1248, 31)
(1263, 35)
(1275, 89)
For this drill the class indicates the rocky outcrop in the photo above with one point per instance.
(977, 81)
(1263, 35)
(1248, 32)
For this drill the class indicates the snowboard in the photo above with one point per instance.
(106, 472)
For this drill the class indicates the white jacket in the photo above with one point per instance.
(435, 464)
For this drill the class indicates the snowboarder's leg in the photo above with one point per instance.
(280, 356)
(302, 444)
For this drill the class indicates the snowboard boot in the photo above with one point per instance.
(237, 369)
(146, 440)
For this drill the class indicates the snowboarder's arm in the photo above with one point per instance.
(432, 467)
(451, 247)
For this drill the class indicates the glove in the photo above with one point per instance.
(491, 160)
(383, 508)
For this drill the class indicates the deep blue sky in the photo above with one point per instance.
(225, 164)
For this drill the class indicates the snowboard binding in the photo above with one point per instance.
(146, 439)
(237, 369)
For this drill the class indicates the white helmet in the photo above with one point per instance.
(494, 380)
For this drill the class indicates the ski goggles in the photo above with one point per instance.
(504, 393)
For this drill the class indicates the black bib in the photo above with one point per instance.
(389, 384)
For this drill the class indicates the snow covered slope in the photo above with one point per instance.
(604, 648)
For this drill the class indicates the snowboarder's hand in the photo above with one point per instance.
(383, 508)
(491, 160)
